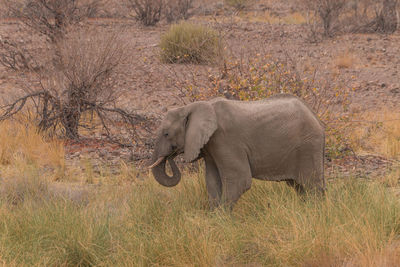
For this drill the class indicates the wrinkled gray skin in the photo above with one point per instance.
(277, 139)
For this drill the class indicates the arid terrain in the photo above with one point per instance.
(96, 182)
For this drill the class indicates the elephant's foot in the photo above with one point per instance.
(298, 187)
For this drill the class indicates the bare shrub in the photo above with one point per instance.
(81, 82)
(328, 16)
(51, 17)
(372, 16)
(175, 10)
(148, 12)
(327, 11)
(386, 17)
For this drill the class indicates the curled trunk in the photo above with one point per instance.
(161, 176)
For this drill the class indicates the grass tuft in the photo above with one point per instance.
(345, 60)
(380, 134)
(190, 43)
(21, 143)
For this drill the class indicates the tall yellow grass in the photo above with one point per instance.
(21, 143)
(380, 134)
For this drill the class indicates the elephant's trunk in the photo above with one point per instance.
(161, 176)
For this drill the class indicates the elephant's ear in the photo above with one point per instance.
(200, 126)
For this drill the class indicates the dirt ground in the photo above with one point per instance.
(367, 64)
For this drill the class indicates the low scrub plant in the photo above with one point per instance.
(148, 12)
(329, 17)
(175, 10)
(190, 43)
(51, 18)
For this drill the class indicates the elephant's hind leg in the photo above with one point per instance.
(213, 183)
(310, 168)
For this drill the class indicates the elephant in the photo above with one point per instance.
(275, 139)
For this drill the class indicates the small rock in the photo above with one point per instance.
(395, 90)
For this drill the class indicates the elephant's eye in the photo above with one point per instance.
(165, 134)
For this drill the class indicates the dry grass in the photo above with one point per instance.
(190, 43)
(380, 134)
(21, 143)
(345, 60)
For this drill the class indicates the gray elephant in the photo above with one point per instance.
(276, 139)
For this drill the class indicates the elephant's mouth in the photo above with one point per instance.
(164, 158)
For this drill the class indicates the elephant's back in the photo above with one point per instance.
(280, 108)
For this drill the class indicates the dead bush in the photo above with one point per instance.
(81, 82)
(386, 17)
(327, 12)
(372, 16)
(51, 17)
(327, 17)
(175, 10)
(148, 12)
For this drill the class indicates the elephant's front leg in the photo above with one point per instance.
(213, 183)
(236, 178)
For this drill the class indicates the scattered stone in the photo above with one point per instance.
(395, 90)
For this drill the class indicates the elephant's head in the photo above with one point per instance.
(184, 130)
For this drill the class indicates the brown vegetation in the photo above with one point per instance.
(51, 17)
(147, 11)
(352, 16)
